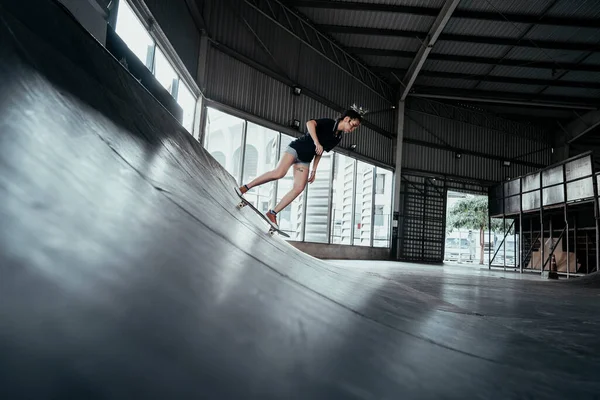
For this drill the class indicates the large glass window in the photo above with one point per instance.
(317, 207)
(139, 41)
(383, 207)
(363, 206)
(223, 139)
(164, 73)
(290, 219)
(350, 201)
(134, 34)
(260, 157)
(343, 190)
(187, 101)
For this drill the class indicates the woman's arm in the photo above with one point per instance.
(314, 169)
(316, 162)
(312, 130)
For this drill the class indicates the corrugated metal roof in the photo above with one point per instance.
(456, 67)
(430, 3)
(594, 59)
(470, 49)
(531, 7)
(444, 82)
(582, 76)
(388, 62)
(575, 8)
(370, 19)
(593, 94)
(378, 42)
(521, 72)
(472, 27)
(527, 53)
(564, 34)
(509, 87)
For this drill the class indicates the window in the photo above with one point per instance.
(379, 217)
(220, 157)
(164, 73)
(134, 34)
(353, 197)
(187, 101)
(343, 189)
(260, 157)
(379, 183)
(139, 41)
(271, 151)
(317, 206)
(291, 218)
(383, 208)
(363, 206)
(224, 135)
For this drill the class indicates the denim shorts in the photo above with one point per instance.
(293, 152)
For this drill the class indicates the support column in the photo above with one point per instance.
(201, 78)
(395, 247)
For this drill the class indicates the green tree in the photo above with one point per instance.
(472, 213)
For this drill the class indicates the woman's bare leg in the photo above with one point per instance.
(300, 179)
(279, 172)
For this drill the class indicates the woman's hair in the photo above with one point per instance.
(352, 114)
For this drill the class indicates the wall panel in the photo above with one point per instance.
(176, 21)
(238, 85)
(286, 61)
(434, 132)
(444, 162)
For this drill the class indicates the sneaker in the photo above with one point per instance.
(272, 216)
(243, 189)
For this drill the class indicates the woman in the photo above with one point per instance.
(323, 135)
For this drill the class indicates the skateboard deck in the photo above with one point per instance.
(243, 203)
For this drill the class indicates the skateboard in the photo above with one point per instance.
(243, 203)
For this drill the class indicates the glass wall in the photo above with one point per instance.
(136, 37)
(383, 207)
(318, 199)
(223, 140)
(350, 201)
(343, 189)
(291, 218)
(260, 156)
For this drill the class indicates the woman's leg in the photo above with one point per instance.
(300, 179)
(279, 172)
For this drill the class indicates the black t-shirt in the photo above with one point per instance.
(327, 134)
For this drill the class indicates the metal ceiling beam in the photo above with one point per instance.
(499, 79)
(432, 12)
(434, 33)
(521, 99)
(194, 9)
(582, 125)
(421, 36)
(302, 29)
(559, 65)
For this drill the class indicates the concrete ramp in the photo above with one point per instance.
(127, 272)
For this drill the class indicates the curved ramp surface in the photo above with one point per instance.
(127, 272)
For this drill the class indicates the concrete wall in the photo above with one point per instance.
(342, 252)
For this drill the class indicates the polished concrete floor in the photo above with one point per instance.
(127, 272)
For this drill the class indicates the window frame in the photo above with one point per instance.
(248, 118)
